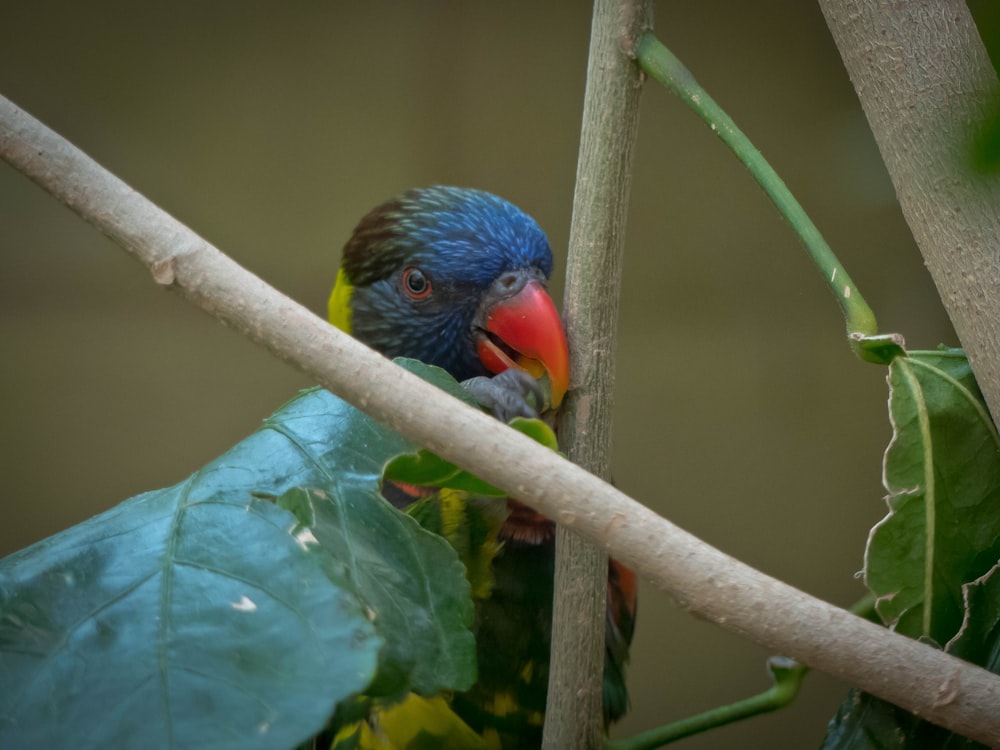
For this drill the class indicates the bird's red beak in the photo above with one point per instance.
(527, 333)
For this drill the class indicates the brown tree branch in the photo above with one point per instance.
(709, 583)
(925, 81)
(590, 304)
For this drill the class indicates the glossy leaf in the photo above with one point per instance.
(463, 509)
(933, 560)
(190, 616)
(942, 470)
(437, 377)
(471, 525)
(426, 469)
(410, 578)
(204, 615)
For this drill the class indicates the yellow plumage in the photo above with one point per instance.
(339, 306)
(413, 724)
(471, 526)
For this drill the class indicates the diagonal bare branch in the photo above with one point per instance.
(707, 582)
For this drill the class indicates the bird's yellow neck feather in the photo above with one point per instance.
(339, 306)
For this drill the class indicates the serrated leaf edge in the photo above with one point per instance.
(906, 364)
(967, 605)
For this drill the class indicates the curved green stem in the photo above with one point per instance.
(787, 675)
(661, 64)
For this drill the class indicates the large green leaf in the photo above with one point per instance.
(463, 509)
(942, 471)
(411, 579)
(191, 616)
(203, 615)
(932, 561)
(427, 469)
(456, 506)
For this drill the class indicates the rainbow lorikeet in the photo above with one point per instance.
(457, 278)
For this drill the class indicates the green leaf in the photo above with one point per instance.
(979, 639)
(932, 561)
(880, 348)
(537, 430)
(426, 469)
(942, 471)
(471, 525)
(438, 377)
(186, 617)
(412, 581)
(203, 615)
(463, 509)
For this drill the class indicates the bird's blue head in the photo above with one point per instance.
(430, 275)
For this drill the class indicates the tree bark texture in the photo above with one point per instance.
(925, 82)
(591, 301)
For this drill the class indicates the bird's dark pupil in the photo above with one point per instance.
(416, 282)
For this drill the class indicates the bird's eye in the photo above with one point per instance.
(416, 284)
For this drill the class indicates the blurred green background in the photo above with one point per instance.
(270, 128)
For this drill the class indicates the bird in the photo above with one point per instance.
(457, 278)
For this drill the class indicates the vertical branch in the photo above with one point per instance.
(596, 244)
(925, 81)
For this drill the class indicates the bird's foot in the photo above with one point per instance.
(512, 393)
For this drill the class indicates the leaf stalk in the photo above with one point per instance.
(663, 66)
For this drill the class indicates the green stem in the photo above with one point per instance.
(661, 64)
(787, 674)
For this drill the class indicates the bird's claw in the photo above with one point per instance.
(512, 393)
